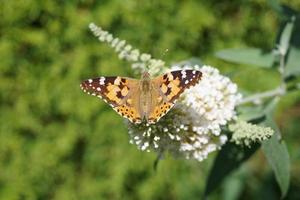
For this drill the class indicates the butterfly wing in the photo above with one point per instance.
(118, 92)
(168, 88)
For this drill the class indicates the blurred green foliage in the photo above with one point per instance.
(58, 143)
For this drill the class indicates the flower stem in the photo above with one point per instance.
(259, 96)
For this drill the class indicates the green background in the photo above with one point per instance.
(58, 143)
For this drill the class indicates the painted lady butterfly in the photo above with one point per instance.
(148, 99)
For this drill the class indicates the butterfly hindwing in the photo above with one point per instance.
(129, 112)
(158, 111)
(117, 92)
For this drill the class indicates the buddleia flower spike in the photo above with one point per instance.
(179, 109)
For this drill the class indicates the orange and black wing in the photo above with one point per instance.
(118, 92)
(169, 87)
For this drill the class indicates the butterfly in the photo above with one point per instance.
(145, 99)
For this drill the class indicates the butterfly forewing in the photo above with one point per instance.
(119, 92)
(172, 84)
(169, 87)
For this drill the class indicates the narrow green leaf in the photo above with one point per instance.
(293, 62)
(251, 56)
(278, 157)
(231, 154)
(292, 67)
(276, 152)
(285, 36)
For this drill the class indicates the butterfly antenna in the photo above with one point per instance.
(164, 53)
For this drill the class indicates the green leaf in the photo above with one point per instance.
(284, 11)
(293, 57)
(278, 157)
(251, 56)
(233, 185)
(231, 154)
(276, 152)
(250, 113)
(285, 36)
(275, 5)
(293, 62)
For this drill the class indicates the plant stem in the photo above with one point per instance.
(259, 96)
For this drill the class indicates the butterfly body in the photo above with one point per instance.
(145, 90)
(145, 99)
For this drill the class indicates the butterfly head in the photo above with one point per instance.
(145, 82)
(145, 76)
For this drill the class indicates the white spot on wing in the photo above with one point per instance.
(90, 80)
(186, 82)
(170, 76)
(183, 73)
(117, 81)
(98, 89)
(194, 72)
(101, 81)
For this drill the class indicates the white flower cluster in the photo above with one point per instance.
(140, 61)
(245, 133)
(214, 99)
(210, 105)
(193, 127)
